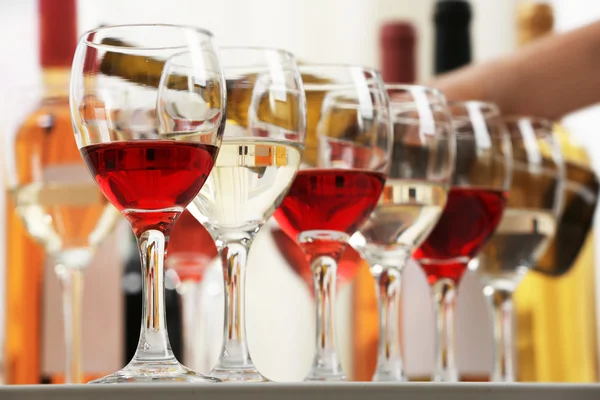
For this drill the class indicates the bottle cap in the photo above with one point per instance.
(58, 32)
(397, 45)
(534, 20)
(453, 12)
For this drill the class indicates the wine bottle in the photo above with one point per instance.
(556, 300)
(25, 257)
(65, 212)
(452, 20)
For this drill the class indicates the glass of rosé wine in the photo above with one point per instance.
(258, 161)
(166, 82)
(412, 202)
(474, 207)
(344, 166)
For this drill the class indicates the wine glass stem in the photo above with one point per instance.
(389, 358)
(154, 343)
(444, 298)
(190, 304)
(71, 280)
(501, 304)
(235, 353)
(326, 364)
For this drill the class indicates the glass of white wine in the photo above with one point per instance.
(525, 230)
(412, 202)
(60, 205)
(257, 162)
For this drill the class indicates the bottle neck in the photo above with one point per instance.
(452, 35)
(534, 20)
(56, 81)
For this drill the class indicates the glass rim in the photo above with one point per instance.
(371, 70)
(539, 122)
(408, 87)
(269, 49)
(373, 78)
(483, 104)
(84, 37)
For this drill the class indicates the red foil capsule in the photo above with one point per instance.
(398, 45)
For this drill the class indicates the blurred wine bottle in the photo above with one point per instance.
(397, 44)
(556, 320)
(25, 257)
(452, 43)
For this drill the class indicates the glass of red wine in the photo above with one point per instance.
(258, 161)
(412, 202)
(148, 167)
(525, 230)
(345, 163)
(474, 207)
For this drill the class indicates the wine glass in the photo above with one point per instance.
(411, 204)
(54, 196)
(473, 209)
(259, 158)
(339, 184)
(122, 97)
(191, 253)
(525, 230)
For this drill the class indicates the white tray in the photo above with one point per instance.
(296, 391)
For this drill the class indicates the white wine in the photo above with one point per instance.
(250, 178)
(407, 212)
(69, 218)
(519, 241)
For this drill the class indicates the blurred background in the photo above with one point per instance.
(280, 310)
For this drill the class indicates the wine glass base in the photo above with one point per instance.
(389, 376)
(448, 378)
(234, 375)
(155, 372)
(325, 377)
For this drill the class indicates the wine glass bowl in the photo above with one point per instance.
(526, 228)
(258, 160)
(474, 207)
(127, 88)
(414, 196)
(343, 171)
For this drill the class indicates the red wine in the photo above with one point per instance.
(329, 199)
(150, 176)
(470, 217)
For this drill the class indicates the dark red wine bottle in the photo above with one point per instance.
(452, 20)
